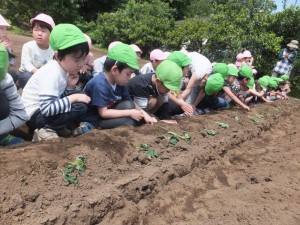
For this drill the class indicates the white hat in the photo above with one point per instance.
(3, 22)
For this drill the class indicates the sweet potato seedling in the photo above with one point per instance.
(150, 152)
(173, 138)
(210, 132)
(223, 125)
(71, 171)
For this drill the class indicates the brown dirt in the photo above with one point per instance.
(245, 174)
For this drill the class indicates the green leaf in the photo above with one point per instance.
(223, 125)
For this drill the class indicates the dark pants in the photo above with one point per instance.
(93, 117)
(23, 78)
(212, 102)
(59, 121)
(14, 75)
(4, 112)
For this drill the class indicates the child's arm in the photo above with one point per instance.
(199, 98)
(192, 83)
(147, 117)
(17, 115)
(106, 113)
(26, 60)
(235, 99)
(186, 107)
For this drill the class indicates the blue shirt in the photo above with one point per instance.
(102, 93)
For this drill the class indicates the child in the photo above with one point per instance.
(229, 93)
(240, 85)
(99, 62)
(156, 57)
(51, 113)
(85, 74)
(4, 40)
(38, 52)
(285, 85)
(139, 53)
(148, 90)
(248, 58)
(111, 105)
(137, 50)
(200, 68)
(239, 60)
(214, 84)
(175, 104)
(12, 112)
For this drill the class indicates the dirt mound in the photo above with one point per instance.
(247, 173)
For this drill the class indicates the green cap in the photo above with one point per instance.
(284, 77)
(3, 62)
(264, 82)
(214, 84)
(272, 84)
(251, 83)
(180, 59)
(232, 71)
(221, 68)
(124, 53)
(66, 35)
(277, 80)
(170, 74)
(245, 72)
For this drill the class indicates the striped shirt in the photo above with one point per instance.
(17, 115)
(44, 91)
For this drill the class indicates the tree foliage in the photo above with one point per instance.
(240, 25)
(144, 24)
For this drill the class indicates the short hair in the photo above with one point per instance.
(42, 24)
(109, 63)
(79, 50)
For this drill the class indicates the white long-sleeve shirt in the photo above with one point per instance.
(34, 57)
(17, 115)
(44, 90)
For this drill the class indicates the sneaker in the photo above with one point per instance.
(10, 140)
(64, 132)
(83, 128)
(199, 112)
(44, 134)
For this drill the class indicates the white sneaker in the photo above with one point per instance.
(44, 134)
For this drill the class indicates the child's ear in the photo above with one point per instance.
(55, 55)
(114, 68)
(157, 79)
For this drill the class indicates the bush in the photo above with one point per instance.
(144, 24)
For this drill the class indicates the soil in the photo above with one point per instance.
(247, 173)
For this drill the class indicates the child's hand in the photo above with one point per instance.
(79, 98)
(136, 114)
(187, 109)
(247, 108)
(5, 42)
(149, 119)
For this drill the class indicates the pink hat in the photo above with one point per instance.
(112, 44)
(3, 22)
(158, 54)
(88, 40)
(247, 54)
(184, 51)
(136, 48)
(240, 56)
(44, 18)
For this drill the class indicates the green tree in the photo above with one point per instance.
(193, 31)
(144, 24)
(20, 12)
(236, 26)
